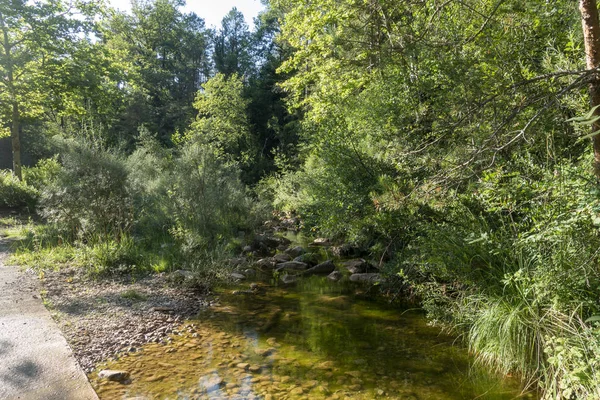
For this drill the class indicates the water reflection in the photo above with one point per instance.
(315, 342)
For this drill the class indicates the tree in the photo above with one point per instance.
(169, 50)
(591, 36)
(232, 45)
(36, 39)
(222, 119)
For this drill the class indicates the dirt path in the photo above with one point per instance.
(35, 359)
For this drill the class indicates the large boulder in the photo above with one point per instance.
(366, 278)
(266, 263)
(266, 245)
(295, 251)
(324, 268)
(311, 259)
(291, 266)
(282, 257)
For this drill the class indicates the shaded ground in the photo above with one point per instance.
(35, 360)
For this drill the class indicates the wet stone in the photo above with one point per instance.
(243, 366)
(114, 375)
(255, 368)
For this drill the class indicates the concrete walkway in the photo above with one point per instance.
(36, 362)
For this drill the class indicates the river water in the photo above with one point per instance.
(318, 340)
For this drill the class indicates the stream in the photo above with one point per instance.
(317, 340)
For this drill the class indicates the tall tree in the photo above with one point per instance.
(170, 52)
(591, 36)
(232, 45)
(36, 39)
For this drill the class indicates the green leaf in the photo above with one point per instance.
(586, 117)
(594, 318)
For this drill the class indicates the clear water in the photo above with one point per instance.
(315, 341)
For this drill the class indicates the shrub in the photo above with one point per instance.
(208, 202)
(90, 194)
(512, 266)
(15, 193)
(44, 172)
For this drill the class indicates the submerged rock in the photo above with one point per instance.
(366, 278)
(114, 375)
(210, 383)
(324, 268)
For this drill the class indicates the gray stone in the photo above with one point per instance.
(321, 242)
(308, 258)
(282, 257)
(114, 375)
(293, 266)
(236, 276)
(335, 276)
(359, 266)
(324, 268)
(268, 262)
(366, 278)
(295, 251)
(210, 383)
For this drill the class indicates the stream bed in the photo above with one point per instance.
(317, 340)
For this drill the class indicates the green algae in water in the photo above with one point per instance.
(313, 342)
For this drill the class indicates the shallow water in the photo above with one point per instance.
(316, 341)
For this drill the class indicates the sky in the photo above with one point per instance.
(212, 11)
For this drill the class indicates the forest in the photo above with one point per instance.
(452, 143)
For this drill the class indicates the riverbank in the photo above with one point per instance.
(103, 318)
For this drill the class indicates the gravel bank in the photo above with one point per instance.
(101, 318)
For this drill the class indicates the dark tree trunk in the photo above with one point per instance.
(591, 37)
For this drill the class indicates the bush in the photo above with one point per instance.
(512, 266)
(90, 194)
(208, 202)
(44, 172)
(16, 194)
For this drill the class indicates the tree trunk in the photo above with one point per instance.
(591, 37)
(16, 114)
(16, 141)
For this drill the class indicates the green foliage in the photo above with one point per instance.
(208, 201)
(15, 193)
(89, 196)
(512, 266)
(42, 174)
(574, 365)
(222, 121)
